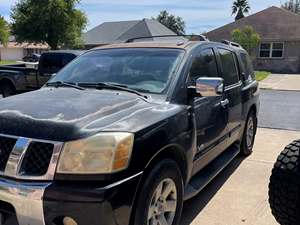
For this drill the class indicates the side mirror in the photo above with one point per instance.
(210, 87)
(53, 75)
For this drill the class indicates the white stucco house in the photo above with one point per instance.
(16, 51)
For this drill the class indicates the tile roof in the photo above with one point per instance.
(25, 45)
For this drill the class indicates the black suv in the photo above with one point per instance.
(125, 133)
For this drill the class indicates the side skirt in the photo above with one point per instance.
(208, 173)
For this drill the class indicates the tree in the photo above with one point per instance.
(174, 23)
(240, 7)
(292, 5)
(4, 31)
(246, 37)
(56, 22)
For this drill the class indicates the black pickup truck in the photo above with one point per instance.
(125, 133)
(19, 78)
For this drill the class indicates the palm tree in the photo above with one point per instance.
(292, 5)
(240, 7)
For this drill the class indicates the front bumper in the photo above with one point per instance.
(26, 200)
(87, 202)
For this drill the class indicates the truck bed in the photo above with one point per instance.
(16, 67)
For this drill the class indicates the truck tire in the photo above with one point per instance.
(160, 198)
(6, 90)
(249, 134)
(284, 187)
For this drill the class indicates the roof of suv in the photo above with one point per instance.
(74, 52)
(169, 44)
(152, 44)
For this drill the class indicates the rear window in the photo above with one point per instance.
(67, 58)
(51, 63)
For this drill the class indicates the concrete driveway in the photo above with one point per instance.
(239, 195)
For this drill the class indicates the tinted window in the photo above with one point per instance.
(204, 65)
(148, 70)
(51, 63)
(230, 73)
(247, 65)
(66, 58)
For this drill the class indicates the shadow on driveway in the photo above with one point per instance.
(194, 206)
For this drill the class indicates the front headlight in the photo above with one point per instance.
(103, 153)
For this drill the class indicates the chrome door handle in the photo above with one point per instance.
(224, 103)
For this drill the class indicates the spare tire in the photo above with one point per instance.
(284, 187)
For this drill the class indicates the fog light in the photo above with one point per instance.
(69, 221)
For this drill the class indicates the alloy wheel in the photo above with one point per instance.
(163, 204)
(250, 132)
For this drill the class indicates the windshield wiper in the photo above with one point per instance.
(114, 86)
(64, 84)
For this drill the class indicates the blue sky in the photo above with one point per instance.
(200, 15)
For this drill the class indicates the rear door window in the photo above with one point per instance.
(229, 67)
(247, 66)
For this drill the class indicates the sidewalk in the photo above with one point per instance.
(239, 195)
(284, 82)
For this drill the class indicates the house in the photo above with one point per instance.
(17, 51)
(114, 32)
(279, 29)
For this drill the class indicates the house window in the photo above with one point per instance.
(271, 50)
(277, 50)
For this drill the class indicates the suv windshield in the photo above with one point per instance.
(148, 69)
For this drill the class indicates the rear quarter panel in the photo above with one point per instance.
(16, 78)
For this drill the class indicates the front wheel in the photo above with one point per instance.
(161, 197)
(249, 134)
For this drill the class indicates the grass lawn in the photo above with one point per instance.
(5, 62)
(261, 75)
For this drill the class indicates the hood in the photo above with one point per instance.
(62, 114)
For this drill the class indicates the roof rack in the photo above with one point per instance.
(189, 37)
(231, 43)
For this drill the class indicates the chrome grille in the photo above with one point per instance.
(37, 158)
(6, 147)
(28, 159)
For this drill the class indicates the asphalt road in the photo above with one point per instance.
(280, 110)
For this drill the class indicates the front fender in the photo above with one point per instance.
(174, 135)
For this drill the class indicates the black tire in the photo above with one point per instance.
(247, 149)
(284, 187)
(166, 169)
(6, 90)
